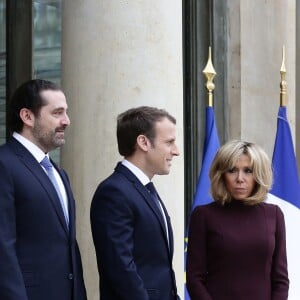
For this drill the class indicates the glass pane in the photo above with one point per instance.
(47, 44)
(47, 39)
(2, 70)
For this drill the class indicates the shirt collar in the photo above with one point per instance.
(37, 153)
(143, 178)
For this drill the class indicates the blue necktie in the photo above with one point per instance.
(49, 168)
(152, 190)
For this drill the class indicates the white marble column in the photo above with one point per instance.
(257, 31)
(117, 55)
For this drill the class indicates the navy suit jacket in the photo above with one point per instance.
(133, 254)
(39, 256)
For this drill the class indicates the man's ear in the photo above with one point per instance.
(143, 142)
(27, 117)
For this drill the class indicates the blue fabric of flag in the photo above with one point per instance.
(211, 146)
(286, 181)
(286, 194)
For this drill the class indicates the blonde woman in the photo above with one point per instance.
(237, 247)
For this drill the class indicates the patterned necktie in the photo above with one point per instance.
(49, 169)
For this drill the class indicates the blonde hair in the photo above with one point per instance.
(227, 157)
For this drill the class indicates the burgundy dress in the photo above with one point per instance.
(237, 252)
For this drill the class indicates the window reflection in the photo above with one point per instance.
(47, 44)
(46, 49)
(47, 39)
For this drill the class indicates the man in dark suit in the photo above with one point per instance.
(130, 224)
(39, 255)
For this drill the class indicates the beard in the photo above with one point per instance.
(48, 139)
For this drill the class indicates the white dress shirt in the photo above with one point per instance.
(144, 179)
(38, 154)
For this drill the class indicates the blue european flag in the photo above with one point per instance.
(211, 146)
(286, 194)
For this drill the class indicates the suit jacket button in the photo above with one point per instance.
(70, 276)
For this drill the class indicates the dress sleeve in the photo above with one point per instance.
(279, 276)
(196, 260)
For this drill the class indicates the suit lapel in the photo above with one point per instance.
(148, 199)
(37, 171)
(170, 231)
(70, 199)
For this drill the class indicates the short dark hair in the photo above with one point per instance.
(136, 121)
(27, 95)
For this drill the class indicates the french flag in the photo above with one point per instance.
(286, 194)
